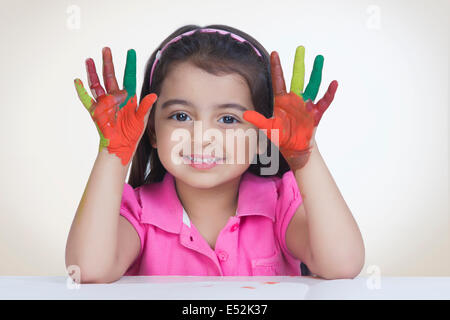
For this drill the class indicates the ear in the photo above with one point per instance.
(152, 139)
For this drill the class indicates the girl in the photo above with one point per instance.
(190, 208)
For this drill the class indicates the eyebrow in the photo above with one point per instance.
(170, 102)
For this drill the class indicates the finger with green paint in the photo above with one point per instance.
(298, 75)
(294, 120)
(312, 89)
(114, 113)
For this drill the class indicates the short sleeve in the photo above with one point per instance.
(289, 199)
(131, 209)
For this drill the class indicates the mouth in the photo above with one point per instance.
(203, 159)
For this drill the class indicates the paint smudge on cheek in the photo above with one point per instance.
(248, 287)
(270, 282)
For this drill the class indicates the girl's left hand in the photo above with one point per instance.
(296, 117)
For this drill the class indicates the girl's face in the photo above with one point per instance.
(192, 98)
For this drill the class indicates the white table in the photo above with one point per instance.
(221, 288)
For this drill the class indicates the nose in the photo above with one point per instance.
(207, 139)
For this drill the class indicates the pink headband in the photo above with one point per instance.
(234, 36)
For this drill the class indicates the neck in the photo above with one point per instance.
(208, 204)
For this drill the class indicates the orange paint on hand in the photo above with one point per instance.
(118, 120)
(295, 126)
(123, 127)
(294, 119)
(295, 123)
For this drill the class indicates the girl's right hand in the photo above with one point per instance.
(114, 113)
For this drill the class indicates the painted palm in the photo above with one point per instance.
(296, 116)
(114, 113)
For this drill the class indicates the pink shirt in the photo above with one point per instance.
(251, 243)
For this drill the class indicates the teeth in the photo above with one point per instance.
(198, 160)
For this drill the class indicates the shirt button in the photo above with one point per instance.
(223, 256)
(234, 227)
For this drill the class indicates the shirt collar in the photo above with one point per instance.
(161, 206)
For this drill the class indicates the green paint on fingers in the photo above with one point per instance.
(298, 74)
(87, 102)
(85, 98)
(129, 78)
(314, 81)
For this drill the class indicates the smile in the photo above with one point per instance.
(203, 159)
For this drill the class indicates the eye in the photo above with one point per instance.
(230, 118)
(180, 116)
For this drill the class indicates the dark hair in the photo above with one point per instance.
(217, 54)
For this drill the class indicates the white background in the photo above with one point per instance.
(384, 138)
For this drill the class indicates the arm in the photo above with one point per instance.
(102, 243)
(93, 241)
(323, 233)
